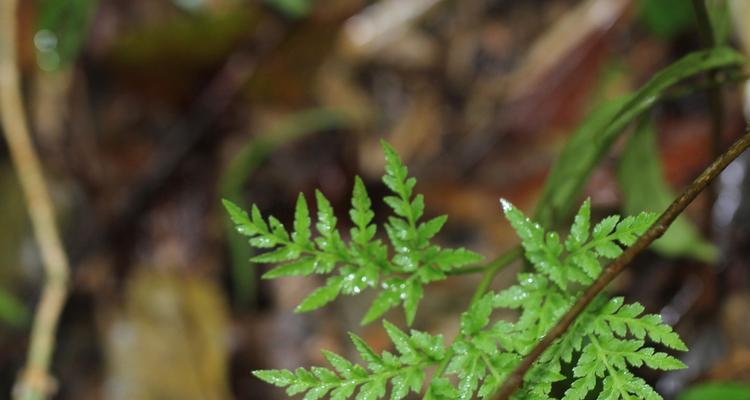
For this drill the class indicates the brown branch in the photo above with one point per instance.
(34, 382)
(515, 379)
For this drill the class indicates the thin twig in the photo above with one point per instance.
(35, 381)
(493, 269)
(515, 379)
(489, 269)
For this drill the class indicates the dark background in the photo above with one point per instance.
(146, 113)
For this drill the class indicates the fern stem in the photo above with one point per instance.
(443, 364)
(515, 379)
(472, 269)
(490, 271)
(490, 367)
(625, 395)
(498, 263)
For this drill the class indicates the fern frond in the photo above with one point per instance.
(609, 336)
(607, 358)
(577, 261)
(404, 372)
(616, 318)
(603, 343)
(362, 263)
(480, 357)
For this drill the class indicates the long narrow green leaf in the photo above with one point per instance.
(579, 157)
(595, 136)
(716, 390)
(644, 189)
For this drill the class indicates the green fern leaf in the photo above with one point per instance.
(579, 232)
(413, 293)
(302, 234)
(601, 335)
(326, 224)
(388, 298)
(361, 214)
(280, 254)
(404, 371)
(441, 389)
(303, 266)
(239, 218)
(620, 318)
(605, 227)
(447, 259)
(362, 263)
(322, 295)
(427, 230)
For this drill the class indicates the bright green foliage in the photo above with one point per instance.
(364, 262)
(441, 389)
(405, 371)
(608, 337)
(595, 353)
(482, 356)
(606, 351)
(582, 248)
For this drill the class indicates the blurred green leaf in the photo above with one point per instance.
(182, 45)
(579, 157)
(62, 27)
(12, 311)
(721, 20)
(716, 391)
(645, 189)
(292, 8)
(596, 134)
(666, 18)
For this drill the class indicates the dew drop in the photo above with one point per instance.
(505, 205)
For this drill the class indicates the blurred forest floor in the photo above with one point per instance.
(146, 113)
